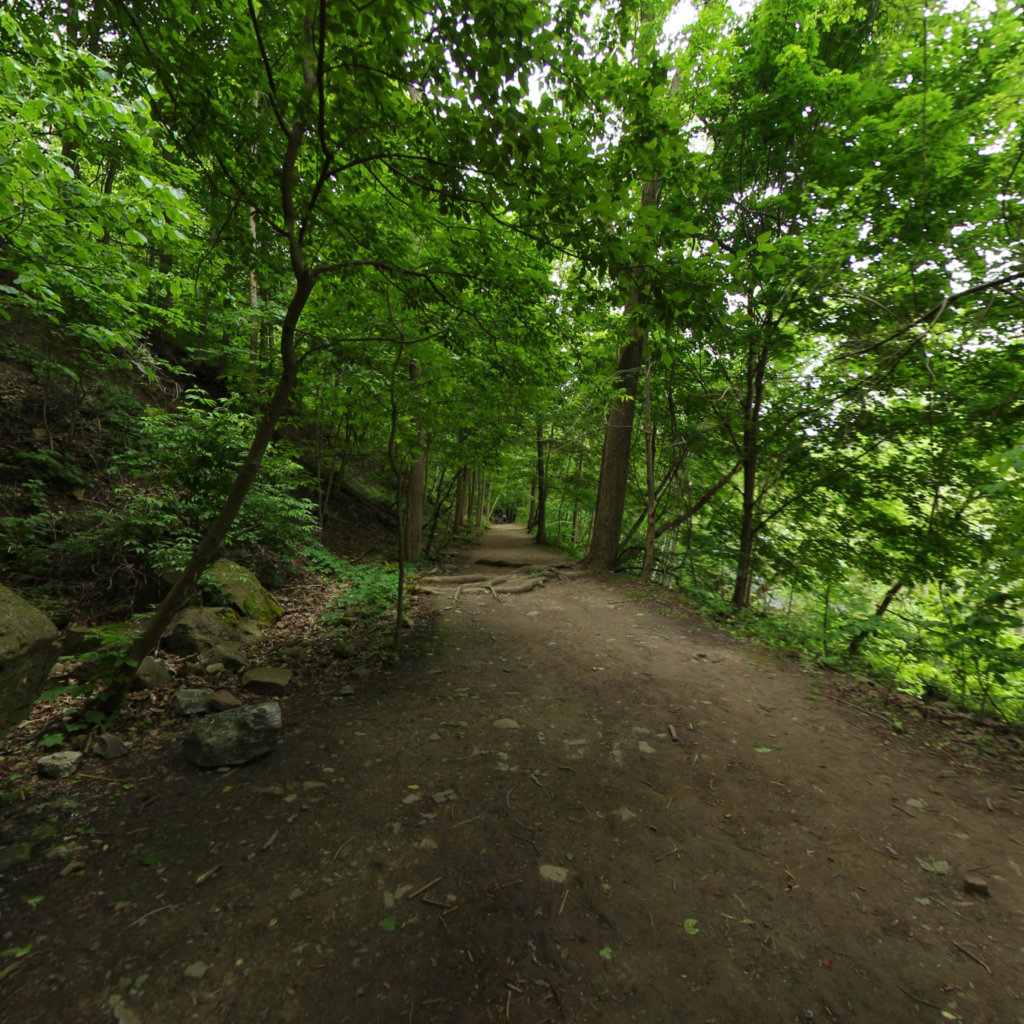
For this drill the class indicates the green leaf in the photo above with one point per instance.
(149, 860)
(937, 867)
(389, 924)
(606, 952)
(690, 926)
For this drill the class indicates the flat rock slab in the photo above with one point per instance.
(59, 765)
(227, 654)
(151, 675)
(271, 682)
(193, 701)
(234, 737)
(224, 700)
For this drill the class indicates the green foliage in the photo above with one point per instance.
(183, 467)
(368, 590)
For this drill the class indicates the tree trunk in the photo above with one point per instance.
(652, 488)
(757, 362)
(461, 502)
(417, 483)
(400, 484)
(618, 435)
(479, 522)
(883, 606)
(209, 546)
(542, 488)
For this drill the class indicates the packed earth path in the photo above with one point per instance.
(570, 800)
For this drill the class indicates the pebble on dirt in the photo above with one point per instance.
(976, 885)
(553, 873)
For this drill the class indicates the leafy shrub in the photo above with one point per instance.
(192, 455)
(172, 477)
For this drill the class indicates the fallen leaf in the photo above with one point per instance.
(606, 952)
(937, 867)
(690, 926)
(388, 924)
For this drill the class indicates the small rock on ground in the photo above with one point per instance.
(192, 701)
(271, 682)
(59, 765)
(553, 873)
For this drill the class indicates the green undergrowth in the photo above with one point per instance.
(918, 652)
(367, 590)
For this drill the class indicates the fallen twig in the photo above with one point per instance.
(967, 952)
(139, 920)
(423, 888)
(923, 1002)
(208, 874)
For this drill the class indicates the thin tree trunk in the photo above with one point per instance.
(757, 361)
(396, 469)
(652, 490)
(416, 483)
(480, 487)
(542, 488)
(209, 545)
(461, 501)
(883, 606)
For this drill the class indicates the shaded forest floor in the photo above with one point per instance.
(577, 803)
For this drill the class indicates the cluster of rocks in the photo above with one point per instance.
(226, 730)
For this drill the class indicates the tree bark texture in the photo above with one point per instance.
(415, 493)
(542, 488)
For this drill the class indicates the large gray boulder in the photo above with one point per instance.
(234, 737)
(27, 653)
(196, 629)
(242, 591)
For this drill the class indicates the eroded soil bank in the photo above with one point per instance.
(575, 803)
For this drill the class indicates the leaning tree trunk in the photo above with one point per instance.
(305, 279)
(618, 435)
(209, 546)
(883, 606)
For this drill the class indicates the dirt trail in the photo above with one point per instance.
(575, 803)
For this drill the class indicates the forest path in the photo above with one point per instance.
(575, 803)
